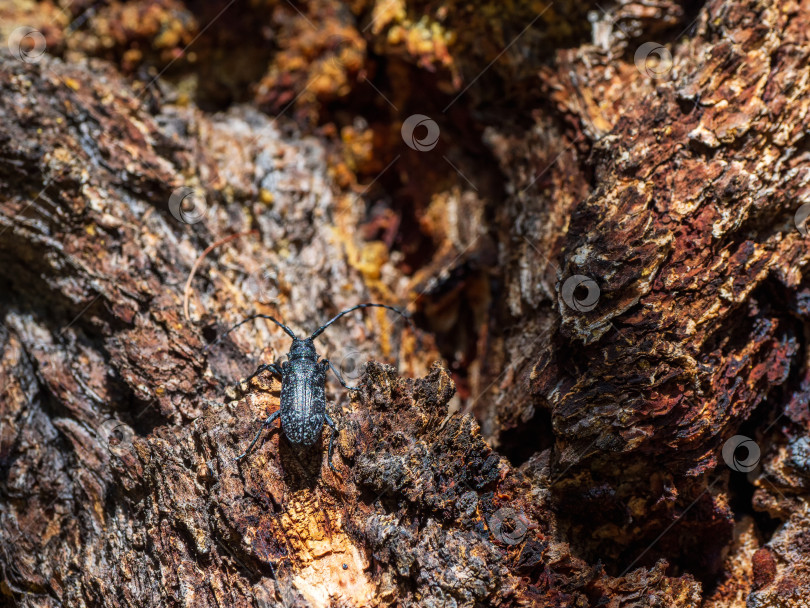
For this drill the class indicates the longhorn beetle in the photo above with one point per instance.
(303, 378)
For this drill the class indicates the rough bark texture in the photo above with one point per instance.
(605, 256)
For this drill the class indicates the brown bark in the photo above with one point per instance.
(567, 451)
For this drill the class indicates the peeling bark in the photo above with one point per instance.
(604, 254)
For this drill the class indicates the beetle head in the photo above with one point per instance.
(302, 349)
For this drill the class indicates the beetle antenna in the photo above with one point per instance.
(321, 329)
(268, 317)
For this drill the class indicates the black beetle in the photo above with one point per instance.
(303, 378)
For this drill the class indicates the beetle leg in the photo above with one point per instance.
(266, 423)
(339, 377)
(331, 423)
(237, 390)
(273, 367)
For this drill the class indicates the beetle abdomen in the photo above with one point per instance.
(303, 401)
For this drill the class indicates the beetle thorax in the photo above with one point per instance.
(302, 349)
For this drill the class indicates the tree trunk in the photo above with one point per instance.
(594, 213)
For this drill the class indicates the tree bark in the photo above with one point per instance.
(603, 245)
